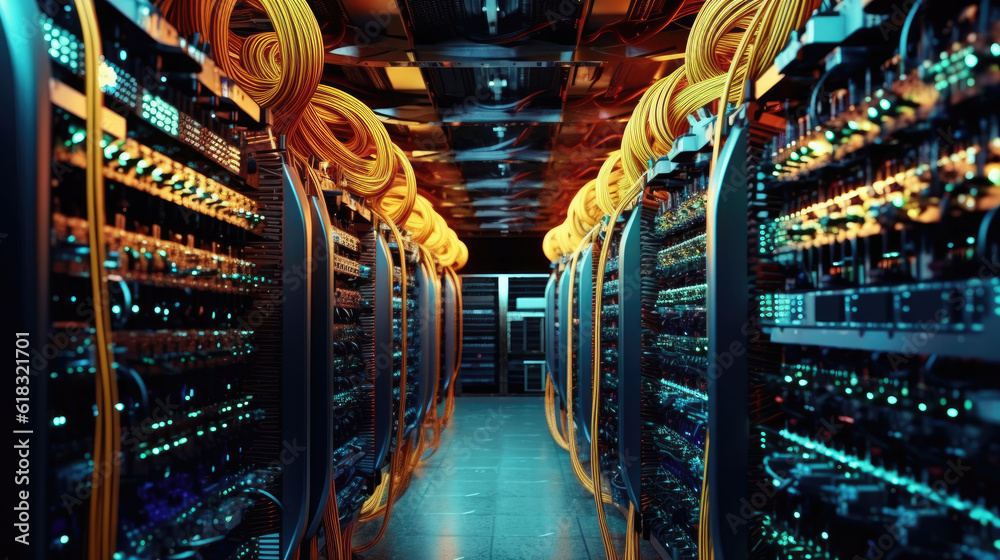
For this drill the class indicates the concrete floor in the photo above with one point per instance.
(499, 488)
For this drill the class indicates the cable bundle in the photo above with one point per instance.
(282, 69)
(730, 42)
(397, 202)
(367, 158)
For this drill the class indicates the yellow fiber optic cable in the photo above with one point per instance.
(771, 26)
(450, 251)
(463, 256)
(279, 69)
(331, 526)
(549, 246)
(397, 202)
(368, 160)
(607, 182)
(103, 522)
(550, 411)
(421, 221)
(705, 543)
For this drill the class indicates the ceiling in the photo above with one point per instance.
(504, 107)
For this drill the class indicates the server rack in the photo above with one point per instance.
(285, 316)
(524, 320)
(247, 305)
(872, 251)
(584, 332)
(221, 259)
(563, 303)
(430, 305)
(609, 373)
(450, 315)
(415, 372)
(182, 260)
(381, 345)
(350, 404)
(551, 327)
(505, 332)
(481, 337)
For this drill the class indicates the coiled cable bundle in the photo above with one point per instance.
(367, 158)
(729, 43)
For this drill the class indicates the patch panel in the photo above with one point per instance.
(139, 167)
(67, 51)
(346, 266)
(346, 240)
(145, 259)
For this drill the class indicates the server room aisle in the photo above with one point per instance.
(498, 489)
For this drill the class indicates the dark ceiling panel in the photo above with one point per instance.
(504, 107)
(497, 89)
(490, 21)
